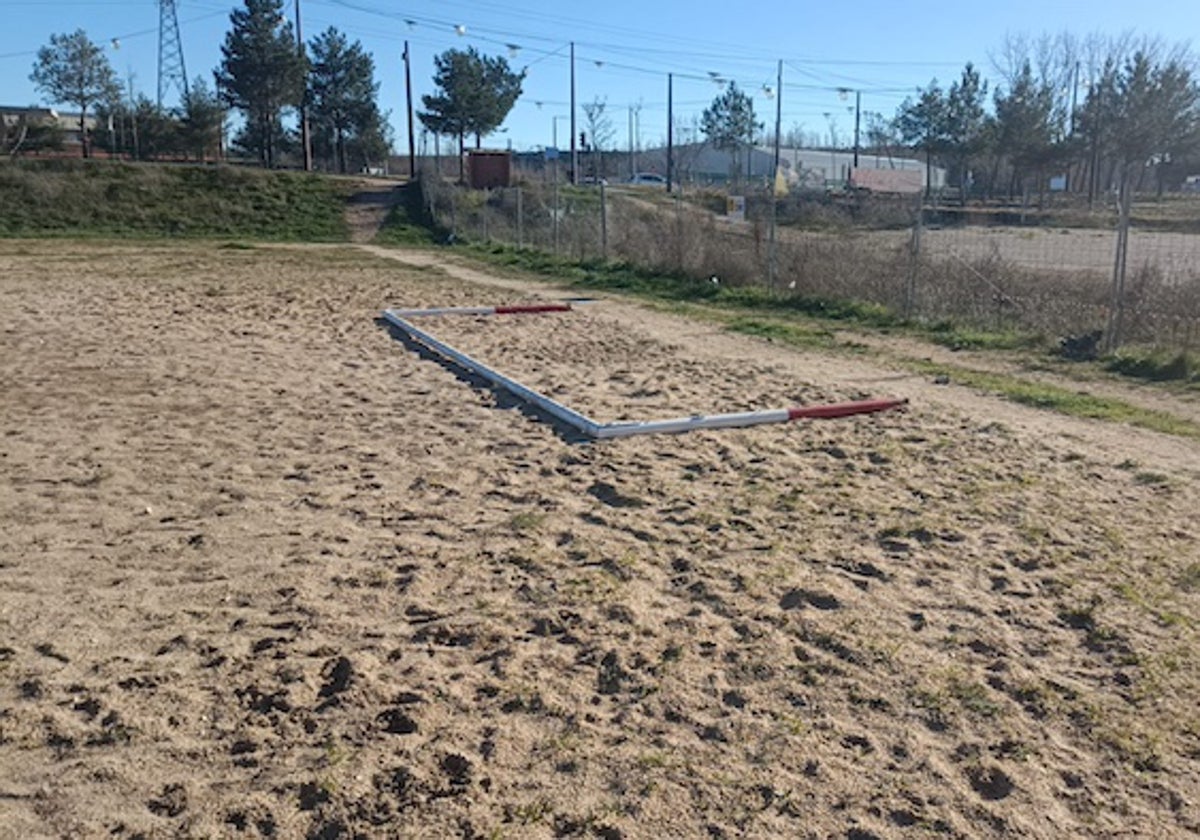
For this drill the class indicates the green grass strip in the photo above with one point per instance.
(1061, 400)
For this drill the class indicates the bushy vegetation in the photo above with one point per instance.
(95, 198)
(1155, 366)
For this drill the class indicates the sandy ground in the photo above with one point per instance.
(266, 571)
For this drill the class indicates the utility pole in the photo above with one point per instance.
(772, 268)
(412, 149)
(574, 148)
(632, 153)
(670, 131)
(635, 133)
(305, 139)
(778, 122)
(857, 120)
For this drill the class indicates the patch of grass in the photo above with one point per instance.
(89, 198)
(526, 521)
(957, 337)
(1154, 366)
(1062, 400)
(973, 696)
(1189, 580)
(799, 335)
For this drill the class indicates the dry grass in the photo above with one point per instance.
(987, 279)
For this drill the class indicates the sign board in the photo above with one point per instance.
(735, 208)
(551, 153)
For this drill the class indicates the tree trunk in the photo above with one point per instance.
(462, 174)
(995, 176)
(83, 137)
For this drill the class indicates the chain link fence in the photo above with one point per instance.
(1060, 274)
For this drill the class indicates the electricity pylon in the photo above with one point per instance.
(171, 72)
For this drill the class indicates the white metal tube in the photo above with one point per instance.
(556, 409)
(509, 309)
(445, 310)
(687, 424)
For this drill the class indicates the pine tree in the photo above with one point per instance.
(261, 74)
(343, 94)
(72, 69)
(475, 94)
(203, 120)
(729, 124)
(924, 125)
(1029, 127)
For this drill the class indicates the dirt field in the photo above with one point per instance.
(266, 571)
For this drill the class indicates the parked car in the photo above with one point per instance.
(648, 179)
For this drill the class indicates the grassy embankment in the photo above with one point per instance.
(107, 199)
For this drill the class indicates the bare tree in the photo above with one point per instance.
(599, 131)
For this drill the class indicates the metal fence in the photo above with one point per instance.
(1060, 273)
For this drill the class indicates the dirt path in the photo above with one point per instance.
(368, 208)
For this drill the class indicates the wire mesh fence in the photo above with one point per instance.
(989, 268)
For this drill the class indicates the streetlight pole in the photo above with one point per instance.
(574, 149)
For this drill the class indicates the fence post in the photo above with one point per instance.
(679, 230)
(603, 223)
(555, 214)
(914, 248)
(520, 221)
(1116, 312)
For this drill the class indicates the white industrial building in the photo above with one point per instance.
(803, 168)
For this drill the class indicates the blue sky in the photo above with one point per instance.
(624, 49)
